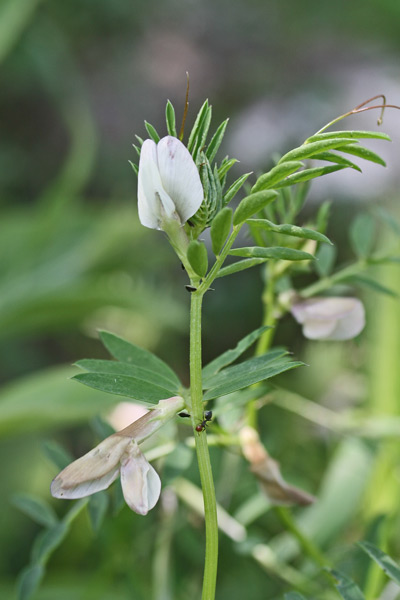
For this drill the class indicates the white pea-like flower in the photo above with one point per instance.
(119, 454)
(330, 318)
(169, 186)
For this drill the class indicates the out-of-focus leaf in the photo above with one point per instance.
(276, 253)
(372, 284)
(294, 596)
(346, 587)
(14, 17)
(57, 454)
(230, 356)
(386, 563)
(97, 508)
(176, 463)
(36, 508)
(362, 232)
(292, 230)
(127, 352)
(326, 256)
(48, 399)
(47, 541)
(29, 581)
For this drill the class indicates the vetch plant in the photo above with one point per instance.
(182, 190)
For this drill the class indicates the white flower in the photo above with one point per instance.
(169, 186)
(330, 318)
(119, 454)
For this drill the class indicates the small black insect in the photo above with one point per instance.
(190, 288)
(207, 418)
(184, 414)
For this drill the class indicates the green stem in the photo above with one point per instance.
(327, 282)
(203, 456)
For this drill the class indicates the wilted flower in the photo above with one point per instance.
(119, 454)
(169, 186)
(330, 318)
(267, 471)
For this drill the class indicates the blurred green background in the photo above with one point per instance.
(78, 78)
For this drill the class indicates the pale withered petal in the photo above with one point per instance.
(330, 318)
(140, 483)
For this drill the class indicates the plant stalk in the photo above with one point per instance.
(203, 456)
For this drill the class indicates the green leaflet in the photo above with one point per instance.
(276, 253)
(170, 119)
(309, 149)
(348, 134)
(248, 373)
(123, 385)
(230, 356)
(29, 581)
(385, 562)
(197, 256)
(216, 140)
(220, 229)
(152, 132)
(308, 174)
(252, 204)
(240, 265)
(275, 175)
(293, 230)
(111, 367)
(336, 158)
(129, 353)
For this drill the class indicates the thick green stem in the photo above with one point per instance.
(203, 456)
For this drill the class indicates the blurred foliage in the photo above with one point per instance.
(77, 78)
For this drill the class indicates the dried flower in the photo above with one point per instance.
(119, 454)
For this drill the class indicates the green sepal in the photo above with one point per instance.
(252, 204)
(275, 175)
(170, 119)
(292, 230)
(152, 132)
(220, 228)
(362, 232)
(276, 253)
(240, 265)
(348, 134)
(197, 256)
(216, 140)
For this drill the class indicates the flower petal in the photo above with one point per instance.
(141, 485)
(180, 177)
(330, 318)
(153, 201)
(93, 472)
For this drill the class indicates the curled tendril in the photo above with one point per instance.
(363, 108)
